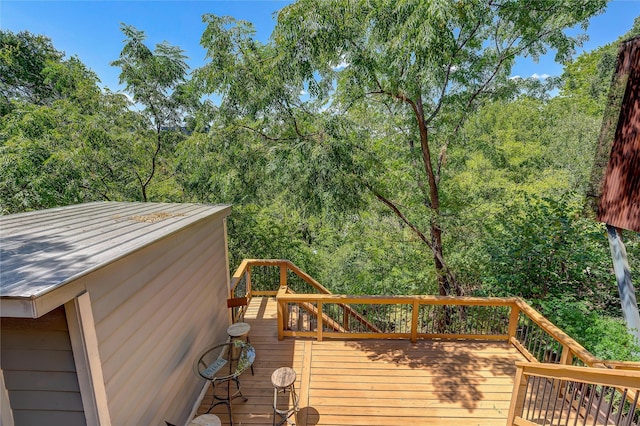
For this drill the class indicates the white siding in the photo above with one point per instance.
(154, 310)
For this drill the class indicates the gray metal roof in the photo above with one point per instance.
(42, 250)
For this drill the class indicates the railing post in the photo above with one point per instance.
(518, 396)
(248, 281)
(414, 320)
(283, 312)
(567, 356)
(283, 274)
(345, 318)
(280, 304)
(320, 325)
(513, 321)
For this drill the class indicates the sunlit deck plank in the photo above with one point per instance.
(376, 382)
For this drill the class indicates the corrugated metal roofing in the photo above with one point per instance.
(42, 250)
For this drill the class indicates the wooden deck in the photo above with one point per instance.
(375, 382)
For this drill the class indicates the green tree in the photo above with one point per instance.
(23, 58)
(157, 80)
(63, 140)
(49, 102)
(40, 166)
(430, 64)
(587, 79)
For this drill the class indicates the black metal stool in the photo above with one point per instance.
(284, 379)
(206, 420)
(239, 329)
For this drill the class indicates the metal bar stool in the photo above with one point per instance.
(206, 420)
(239, 329)
(284, 379)
(203, 420)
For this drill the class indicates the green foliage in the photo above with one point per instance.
(543, 248)
(157, 81)
(270, 232)
(373, 253)
(38, 169)
(153, 77)
(514, 155)
(587, 79)
(23, 59)
(604, 336)
(64, 141)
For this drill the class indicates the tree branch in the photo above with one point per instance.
(410, 224)
(446, 80)
(271, 138)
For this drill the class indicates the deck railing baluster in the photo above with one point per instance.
(580, 402)
(558, 386)
(621, 408)
(548, 397)
(574, 389)
(597, 410)
(634, 410)
(535, 383)
(610, 403)
(536, 409)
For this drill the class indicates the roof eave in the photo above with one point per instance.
(18, 307)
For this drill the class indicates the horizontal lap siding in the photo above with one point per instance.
(39, 370)
(154, 311)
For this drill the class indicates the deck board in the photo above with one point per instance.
(375, 382)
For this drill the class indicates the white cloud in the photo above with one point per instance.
(540, 76)
(303, 92)
(341, 65)
(515, 77)
(134, 106)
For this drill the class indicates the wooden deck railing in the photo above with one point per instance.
(569, 395)
(265, 277)
(305, 304)
(384, 317)
(540, 340)
(560, 371)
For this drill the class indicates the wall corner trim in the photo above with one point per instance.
(84, 342)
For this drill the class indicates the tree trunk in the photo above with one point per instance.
(446, 280)
(444, 276)
(444, 286)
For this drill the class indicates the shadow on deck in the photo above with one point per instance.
(375, 382)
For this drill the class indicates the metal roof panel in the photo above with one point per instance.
(42, 250)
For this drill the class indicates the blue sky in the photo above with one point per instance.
(91, 29)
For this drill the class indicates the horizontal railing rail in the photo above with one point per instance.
(401, 317)
(540, 340)
(623, 365)
(546, 394)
